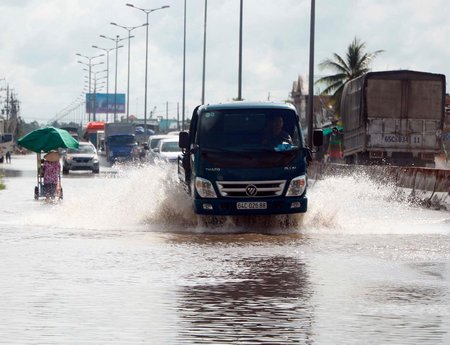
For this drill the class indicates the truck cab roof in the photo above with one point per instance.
(247, 105)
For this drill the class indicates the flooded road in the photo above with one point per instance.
(122, 260)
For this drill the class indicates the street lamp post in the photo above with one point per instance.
(147, 12)
(95, 91)
(89, 58)
(239, 98)
(184, 69)
(117, 39)
(311, 76)
(129, 29)
(204, 52)
(107, 50)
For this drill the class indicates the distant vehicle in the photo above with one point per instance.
(393, 117)
(92, 128)
(101, 142)
(6, 144)
(168, 150)
(73, 131)
(174, 133)
(83, 158)
(153, 143)
(6, 141)
(120, 141)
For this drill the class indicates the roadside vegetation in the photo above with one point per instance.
(2, 184)
(355, 63)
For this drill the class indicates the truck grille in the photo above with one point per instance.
(250, 189)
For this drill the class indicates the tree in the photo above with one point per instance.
(355, 64)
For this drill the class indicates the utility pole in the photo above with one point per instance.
(184, 68)
(311, 77)
(204, 52)
(239, 98)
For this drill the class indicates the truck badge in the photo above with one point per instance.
(251, 190)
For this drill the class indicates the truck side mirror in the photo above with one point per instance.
(183, 140)
(317, 137)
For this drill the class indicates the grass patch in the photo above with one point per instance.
(2, 184)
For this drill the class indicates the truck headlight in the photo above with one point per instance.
(297, 186)
(204, 188)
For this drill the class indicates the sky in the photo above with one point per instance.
(40, 39)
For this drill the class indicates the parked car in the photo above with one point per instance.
(168, 150)
(83, 158)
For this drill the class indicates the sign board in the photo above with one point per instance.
(102, 103)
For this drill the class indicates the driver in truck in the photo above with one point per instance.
(274, 134)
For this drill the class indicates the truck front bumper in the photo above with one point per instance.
(233, 206)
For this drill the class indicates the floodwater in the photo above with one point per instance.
(122, 260)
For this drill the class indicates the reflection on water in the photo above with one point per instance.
(10, 173)
(262, 301)
(415, 313)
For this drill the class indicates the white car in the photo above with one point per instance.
(168, 150)
(153, 143)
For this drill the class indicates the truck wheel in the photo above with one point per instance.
(1, 159)
(96, 171)
(65, 171)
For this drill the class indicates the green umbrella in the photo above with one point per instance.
(47, 139)
(328, 130)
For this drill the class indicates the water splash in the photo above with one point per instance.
(149, 198)
(358, 204)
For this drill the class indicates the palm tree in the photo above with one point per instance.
(356, 63)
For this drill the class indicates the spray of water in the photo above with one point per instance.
(356, 203)
(149, 197)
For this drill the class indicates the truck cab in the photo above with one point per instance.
(245, 159)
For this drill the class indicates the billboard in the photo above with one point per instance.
(102, 103)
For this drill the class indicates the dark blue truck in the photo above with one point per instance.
(120, 141)
(245, 158)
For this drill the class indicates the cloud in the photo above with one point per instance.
(40, 40)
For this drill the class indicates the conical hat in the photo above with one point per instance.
(52, 156)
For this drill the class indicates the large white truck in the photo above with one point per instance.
(393, 117)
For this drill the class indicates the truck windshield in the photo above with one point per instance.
(244, 130)
(121, 139)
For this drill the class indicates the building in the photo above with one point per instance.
(323, 114)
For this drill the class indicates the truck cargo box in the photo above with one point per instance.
(393, 117)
